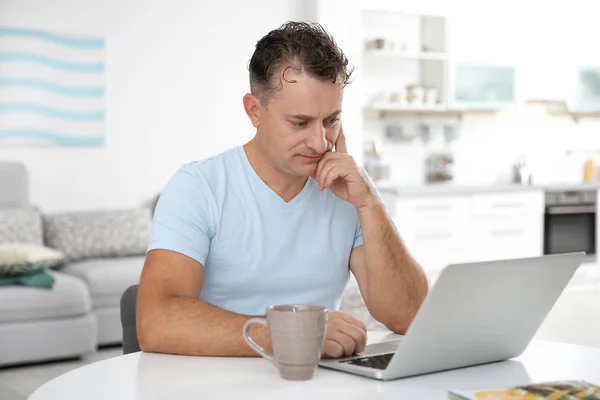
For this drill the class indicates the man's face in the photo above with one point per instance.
(301, 122)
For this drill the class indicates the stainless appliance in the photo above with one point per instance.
(570, 222)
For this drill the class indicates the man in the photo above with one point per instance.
(282, 219)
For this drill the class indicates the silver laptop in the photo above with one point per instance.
(476, 313)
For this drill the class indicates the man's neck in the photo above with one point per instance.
(285, 185)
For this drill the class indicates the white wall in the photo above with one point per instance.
(176, 74)
(177, 70)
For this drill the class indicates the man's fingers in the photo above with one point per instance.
(346, 341)
(325, 165)
(332, 174)
(357, 329)
(327, 157)
(340, 144)
(333, 349)
(351, 319)
(329, 162)
(346, 335)
(358, 335)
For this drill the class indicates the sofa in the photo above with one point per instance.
(104, 254)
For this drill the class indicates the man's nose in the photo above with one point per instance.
(317, 140)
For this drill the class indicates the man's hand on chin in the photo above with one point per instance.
(338, 172)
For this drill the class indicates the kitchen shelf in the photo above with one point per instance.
(560, 108)
(403, 55)
(577, 115)
(406, 110)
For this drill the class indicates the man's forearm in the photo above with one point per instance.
(396, 284)
(188, 326)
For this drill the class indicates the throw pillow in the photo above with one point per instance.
(96, 234)
(23, 258)
(21, 225)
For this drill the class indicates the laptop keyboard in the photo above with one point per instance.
(379, 361)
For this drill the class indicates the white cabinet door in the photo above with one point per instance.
(508, 204)
(431, 207)
(506, 225)
(435, 248)
(440, 230)
(433, 228)
(504, 237)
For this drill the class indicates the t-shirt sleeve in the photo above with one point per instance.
(358, 239)
(184, 217)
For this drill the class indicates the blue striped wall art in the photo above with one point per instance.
(52, 90)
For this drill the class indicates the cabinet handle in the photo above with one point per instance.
(433, 236)
(507, 232)
(433, 207)
(507, 205)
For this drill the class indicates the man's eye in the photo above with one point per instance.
(298, 124)
(333, 120)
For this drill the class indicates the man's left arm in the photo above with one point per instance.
(391, 282)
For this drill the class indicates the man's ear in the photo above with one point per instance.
(253, 108)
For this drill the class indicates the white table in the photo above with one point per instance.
(159, 376)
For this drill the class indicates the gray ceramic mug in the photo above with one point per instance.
(297, 335)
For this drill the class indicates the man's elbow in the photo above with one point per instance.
(146, 341)
(398, 325)
(147, 332)
(399, 322)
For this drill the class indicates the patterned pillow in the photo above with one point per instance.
(96, 234)
(23, 258)
(21, 225)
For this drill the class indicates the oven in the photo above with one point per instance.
(570, 222)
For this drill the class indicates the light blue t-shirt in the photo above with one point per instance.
(257, 250)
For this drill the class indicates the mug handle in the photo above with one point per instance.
(252, 343)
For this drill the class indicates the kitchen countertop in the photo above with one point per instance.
(445, 189)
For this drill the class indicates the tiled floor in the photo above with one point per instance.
(574, 319)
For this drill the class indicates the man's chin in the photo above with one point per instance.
(306, 170)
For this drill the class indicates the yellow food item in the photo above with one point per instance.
(558, 394)
(515, 394)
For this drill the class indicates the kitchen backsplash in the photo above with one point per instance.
(487, 145)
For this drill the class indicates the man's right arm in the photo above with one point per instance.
(172, 319)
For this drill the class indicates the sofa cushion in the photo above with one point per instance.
(107, 278)
(21, 225)
(68, 298)
(21, 258)
(95, 234)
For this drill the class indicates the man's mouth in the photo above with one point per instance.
(312, 156)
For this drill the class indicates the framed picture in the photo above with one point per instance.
(51, 88)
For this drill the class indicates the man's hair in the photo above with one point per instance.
(303, 47)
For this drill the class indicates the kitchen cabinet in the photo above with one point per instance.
(507, 225)
(587, 90)
(502, 237)
(487, 86)
(440, 230)
(432, 227)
